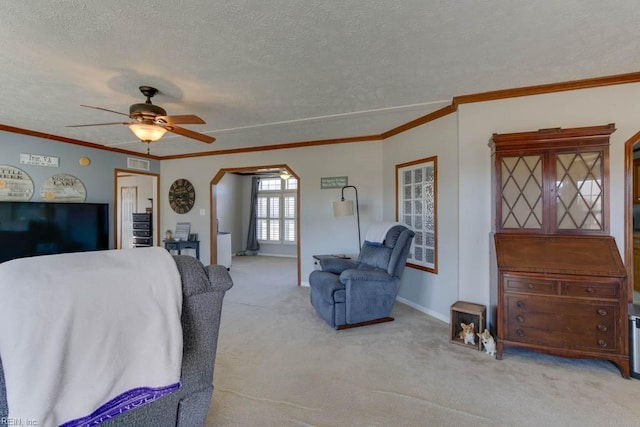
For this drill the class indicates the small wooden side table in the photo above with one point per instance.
(179, 245)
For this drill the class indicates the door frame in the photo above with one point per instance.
(116, 202)
(213, 241)
(628, 212)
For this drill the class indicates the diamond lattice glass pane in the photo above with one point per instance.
(509, 221)
(522, 192)
(579, 191)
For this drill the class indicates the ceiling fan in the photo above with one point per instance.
(151, 121)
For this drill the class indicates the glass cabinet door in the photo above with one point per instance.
(579, 191)
(522, 206)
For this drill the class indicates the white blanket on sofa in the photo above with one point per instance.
(86, 336)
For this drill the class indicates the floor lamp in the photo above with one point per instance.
(345, 208)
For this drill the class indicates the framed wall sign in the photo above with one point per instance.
(63, 187)
(15, 184)
(416, 206)
(327, 182)
(39, 160)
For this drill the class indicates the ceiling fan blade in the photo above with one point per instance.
(188, 119)
(99, 124)
(104, 109)
(191, 134)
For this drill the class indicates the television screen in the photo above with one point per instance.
(34, 228)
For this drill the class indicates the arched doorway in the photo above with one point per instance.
(249, 170)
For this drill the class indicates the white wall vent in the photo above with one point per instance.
(140, 164)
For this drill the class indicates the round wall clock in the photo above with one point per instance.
(182, 196)
(15, 184)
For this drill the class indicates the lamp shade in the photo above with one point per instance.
(343, 208)
(147, 132)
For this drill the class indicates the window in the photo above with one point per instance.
(417, 208)
(276, 211)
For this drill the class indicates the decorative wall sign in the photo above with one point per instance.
(63, 188)
(333, 182)
(416, 206)
(15, 184)
(39, 160)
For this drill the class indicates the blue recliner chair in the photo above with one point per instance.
(347, 294)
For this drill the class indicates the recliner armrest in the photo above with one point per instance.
(364, 275)
(336, 265)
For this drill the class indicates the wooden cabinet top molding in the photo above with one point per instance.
(553, 138)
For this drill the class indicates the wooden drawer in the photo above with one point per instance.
(530, 285)
(591, 289)
(141, 217)
(557, 322)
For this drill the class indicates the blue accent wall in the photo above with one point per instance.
(98, 177)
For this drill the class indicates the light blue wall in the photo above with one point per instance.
(98, 178)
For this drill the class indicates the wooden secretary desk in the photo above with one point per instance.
(561, 284)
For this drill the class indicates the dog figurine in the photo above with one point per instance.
(467, 333)
(488, 342)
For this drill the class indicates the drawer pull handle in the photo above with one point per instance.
(519, 318)
(602, 312)
(519, 332)
(531, 285)
(590, 290)
(602, 343)
(602, 328)
(520, 304)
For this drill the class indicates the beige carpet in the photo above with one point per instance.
(279, 364)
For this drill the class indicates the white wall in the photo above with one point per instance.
(460, 141)
(477, 122)
(229, 194)
(428, 292)
(320, 232)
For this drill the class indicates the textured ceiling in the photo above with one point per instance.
(278, 71)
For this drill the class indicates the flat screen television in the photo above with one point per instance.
(38, 228)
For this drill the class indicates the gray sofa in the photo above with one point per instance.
(203, 291)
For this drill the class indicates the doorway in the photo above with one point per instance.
(632, 216)
(220, 213)
(135, 192)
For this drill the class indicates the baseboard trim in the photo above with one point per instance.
(424, 310)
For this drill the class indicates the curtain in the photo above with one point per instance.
(252, 238)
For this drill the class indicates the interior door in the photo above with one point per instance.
(128, 206)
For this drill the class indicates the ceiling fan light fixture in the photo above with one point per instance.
(147, 132)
